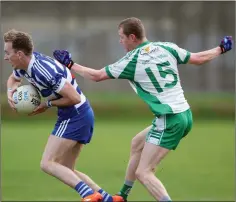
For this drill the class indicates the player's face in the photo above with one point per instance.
(126, 41)
(11, 55)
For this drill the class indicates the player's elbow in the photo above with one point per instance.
(100, 75)
(97, 76)
(196, 59)
(75, 99)
(97, 79)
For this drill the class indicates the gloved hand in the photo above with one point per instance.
(64, 57)
(226, 44)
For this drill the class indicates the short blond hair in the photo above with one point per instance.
(133, 26)
(20, 41)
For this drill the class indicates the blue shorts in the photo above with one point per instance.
(78, 127)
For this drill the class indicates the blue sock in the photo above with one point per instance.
(106, 196)
(166, 198)
(83, 189)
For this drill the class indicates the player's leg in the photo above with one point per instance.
(150, 158)
(69, 160)
(67, 137)
(97, 188)
(165, 135)
(55, 149)
(88, 180)
(137, 145)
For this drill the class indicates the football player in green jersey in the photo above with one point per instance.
(152, 70)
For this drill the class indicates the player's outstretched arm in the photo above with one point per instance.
(206, 56)
(65, 58)
(89, 73)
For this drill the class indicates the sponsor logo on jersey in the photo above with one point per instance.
(148, 50)
(162, 56)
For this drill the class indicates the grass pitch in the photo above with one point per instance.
(202, 167)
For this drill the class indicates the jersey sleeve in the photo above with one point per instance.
(17, 74)
(49, 77)
(182, 56)
(124, 68)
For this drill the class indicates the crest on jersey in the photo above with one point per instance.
(147, 49)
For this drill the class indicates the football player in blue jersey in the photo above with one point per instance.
(75, 123)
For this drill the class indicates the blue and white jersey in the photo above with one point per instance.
(49, 76)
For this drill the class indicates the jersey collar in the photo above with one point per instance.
(31, 64)
(142, 44)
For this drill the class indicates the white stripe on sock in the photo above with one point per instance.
(79, 189)
(84, 189)
(86, 192)
(107, 197)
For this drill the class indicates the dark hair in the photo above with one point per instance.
(133, 26)
(20, 41)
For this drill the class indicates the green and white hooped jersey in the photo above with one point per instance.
(152, 71)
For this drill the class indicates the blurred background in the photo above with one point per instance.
(203, 166)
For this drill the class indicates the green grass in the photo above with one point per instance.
(202, 168)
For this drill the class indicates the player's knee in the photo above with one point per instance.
(141, 175)
(135, 145)
(45, 165)
(66, 164)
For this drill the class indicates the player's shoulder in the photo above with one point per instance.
(41, 57)
(128, 56)
(44, 60)
(44, 66)
(165, 43)
(153, 46)
(38, 55)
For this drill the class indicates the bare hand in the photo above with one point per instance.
(40, 109)
(11, 102)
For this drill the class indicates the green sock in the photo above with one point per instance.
(125, 190)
